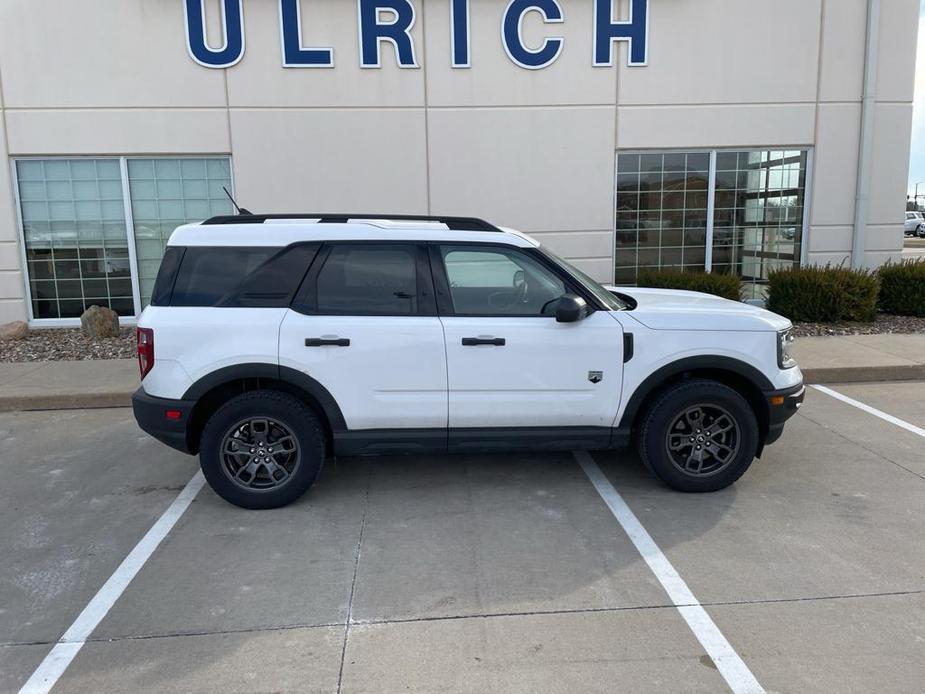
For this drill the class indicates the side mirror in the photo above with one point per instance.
(570, 308)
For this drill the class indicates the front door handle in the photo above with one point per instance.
(474, 341)
(327, 342)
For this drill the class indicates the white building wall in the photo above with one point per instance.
(529, 149)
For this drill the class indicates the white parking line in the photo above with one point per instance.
(67, 647)
(872, 410)
(732, 668)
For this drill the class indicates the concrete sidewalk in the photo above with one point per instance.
(86, 384)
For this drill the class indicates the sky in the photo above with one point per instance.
(917, 165)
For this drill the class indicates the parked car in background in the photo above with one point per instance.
(915, 224)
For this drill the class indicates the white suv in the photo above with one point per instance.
(273, 342)
(915, 224)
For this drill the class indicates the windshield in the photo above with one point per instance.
(592, 286)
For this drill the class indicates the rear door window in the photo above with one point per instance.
(367, 279)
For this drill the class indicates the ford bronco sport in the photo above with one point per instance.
(273, 342)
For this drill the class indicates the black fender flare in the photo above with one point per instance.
(675, 368)
(292, 377)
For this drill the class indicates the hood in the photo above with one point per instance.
(671, 309)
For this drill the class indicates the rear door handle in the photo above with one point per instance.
(327, 342)
(474, 341)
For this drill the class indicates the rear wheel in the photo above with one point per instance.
(699, 436)
(262, 449)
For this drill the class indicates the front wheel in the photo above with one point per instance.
(699, 436)
(262, 449)
(920, 232)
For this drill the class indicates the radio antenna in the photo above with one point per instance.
(241, 210)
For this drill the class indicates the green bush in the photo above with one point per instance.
(824, 294)
(725, 286)
(902, 288)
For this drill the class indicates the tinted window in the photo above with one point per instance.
(274, 283)
(489, 281)
(166, 274)
(368, 280)
(208, 275)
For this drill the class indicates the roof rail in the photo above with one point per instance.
(454, 223)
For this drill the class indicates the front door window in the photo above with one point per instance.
(491, 281)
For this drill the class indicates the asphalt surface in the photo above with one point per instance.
(914, 248)
(471, 573)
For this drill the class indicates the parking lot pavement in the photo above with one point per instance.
(77, 493)
(471, 573)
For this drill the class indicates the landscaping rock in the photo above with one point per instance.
(97, 322)
(67, 344)
(17, 330)
(884, 324)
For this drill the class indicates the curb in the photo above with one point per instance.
(65, 401)
(86, 401)
(864, 374)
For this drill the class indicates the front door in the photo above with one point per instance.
(365, 326)
(509, 363)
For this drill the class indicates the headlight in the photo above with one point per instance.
(784, 343)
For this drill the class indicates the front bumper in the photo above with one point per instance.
(151, 413)
(782, 405)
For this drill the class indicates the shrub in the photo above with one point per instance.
(824, 294)
(902, 288)
(725, 286)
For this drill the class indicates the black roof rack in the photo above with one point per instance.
(454, 223)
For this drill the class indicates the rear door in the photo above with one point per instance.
(509, 363)
(365, 326)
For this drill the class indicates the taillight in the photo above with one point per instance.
(145, 337)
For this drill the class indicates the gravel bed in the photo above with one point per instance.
(885, 324)
(67, 344)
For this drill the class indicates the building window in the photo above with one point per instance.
(74, 233)
(165, 194)
(735, 212)
(79, 238)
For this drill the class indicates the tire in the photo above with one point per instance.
(276, 425)
(920, 232)
(725, 452)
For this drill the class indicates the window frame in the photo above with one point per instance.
(445, 306)
(306, 297)
(123, 160)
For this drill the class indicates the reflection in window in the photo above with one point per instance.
(758, 221)
(662, 212)
(167, 193)
(73, 218)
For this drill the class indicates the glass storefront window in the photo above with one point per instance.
(758, 222)
(76, 234)
(663, 212)
(165, 194)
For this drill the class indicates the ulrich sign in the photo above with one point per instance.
(391, 21)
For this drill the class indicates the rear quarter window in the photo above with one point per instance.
(166, 276)
(252, 276)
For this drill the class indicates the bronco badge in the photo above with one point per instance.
(595, 376)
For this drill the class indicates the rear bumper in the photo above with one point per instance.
(789, 401)
(151, 415)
